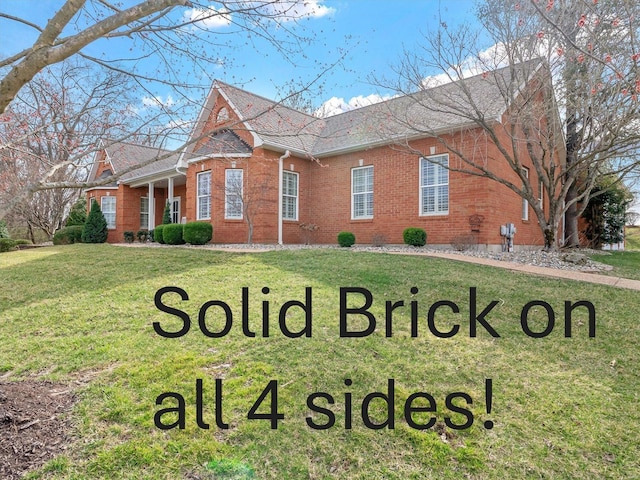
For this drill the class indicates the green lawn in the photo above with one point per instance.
(561, 407)
(625, 264)
(633, 238)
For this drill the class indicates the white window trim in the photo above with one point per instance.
(541, 193)
(227, 215)
(199, 196)
(113, 226)
(525, 202)
(353, 194)
(295, 197)
(144, 224)
(422, 187)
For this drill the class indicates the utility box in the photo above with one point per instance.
(507, 232)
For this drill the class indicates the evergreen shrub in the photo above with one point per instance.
(68, 235)
(416, 237)
(95, 228)
(198, 233)
(172, 234)
(346, 239)
(157, 234)
(7, 245)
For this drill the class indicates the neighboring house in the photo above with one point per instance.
(254, 164)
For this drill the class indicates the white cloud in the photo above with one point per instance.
(490, 59)
(158, 102)
(295, 9)
(207, 18)
(284, 10)
(336, 105)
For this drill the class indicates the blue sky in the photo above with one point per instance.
(370, 33)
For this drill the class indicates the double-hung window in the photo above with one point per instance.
(434, 185)
(362, 192)
(204, 195)
(525, 203)
(541, 193)
(108, 207)
(233, 191)
(290, 195)
(144, 212)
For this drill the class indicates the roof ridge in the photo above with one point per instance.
(403, 95)
(134, 144)
(270, 100)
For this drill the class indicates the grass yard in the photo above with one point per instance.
(633, 238)
(625, 264)
(83, 315)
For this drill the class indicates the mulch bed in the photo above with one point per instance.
(33, 425)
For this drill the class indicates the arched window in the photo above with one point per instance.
(223, 115)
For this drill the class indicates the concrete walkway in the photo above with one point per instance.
(532, 269)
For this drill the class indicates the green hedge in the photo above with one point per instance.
(172, 234)
(7, 245)
(198, 233)
(416, 237)
(157, 233)
(68, 235)
(346, 239)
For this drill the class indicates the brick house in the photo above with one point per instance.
(137, 200)
(254, 163)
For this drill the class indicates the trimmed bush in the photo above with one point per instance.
(128, 236)
(198, 233)
(68, 235)
(143, 235)
(172, 234)
(7, 245)
(95, 228)
(346, 239)
(157, 234)
(415, 237)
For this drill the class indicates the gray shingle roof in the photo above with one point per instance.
(422, 113)
(275, 123)
(124, 155)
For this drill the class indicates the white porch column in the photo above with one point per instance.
(152, 207)
(170, 191)
(170, 197)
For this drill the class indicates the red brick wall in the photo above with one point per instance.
(396, 200)
(128, 207)
(325, 200)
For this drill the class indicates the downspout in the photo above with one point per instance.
(287, 153)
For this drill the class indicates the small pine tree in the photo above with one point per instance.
(4, 231)
(95, 228)
(166, 216)
(78, 213)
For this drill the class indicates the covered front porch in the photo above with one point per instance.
(156, 192)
